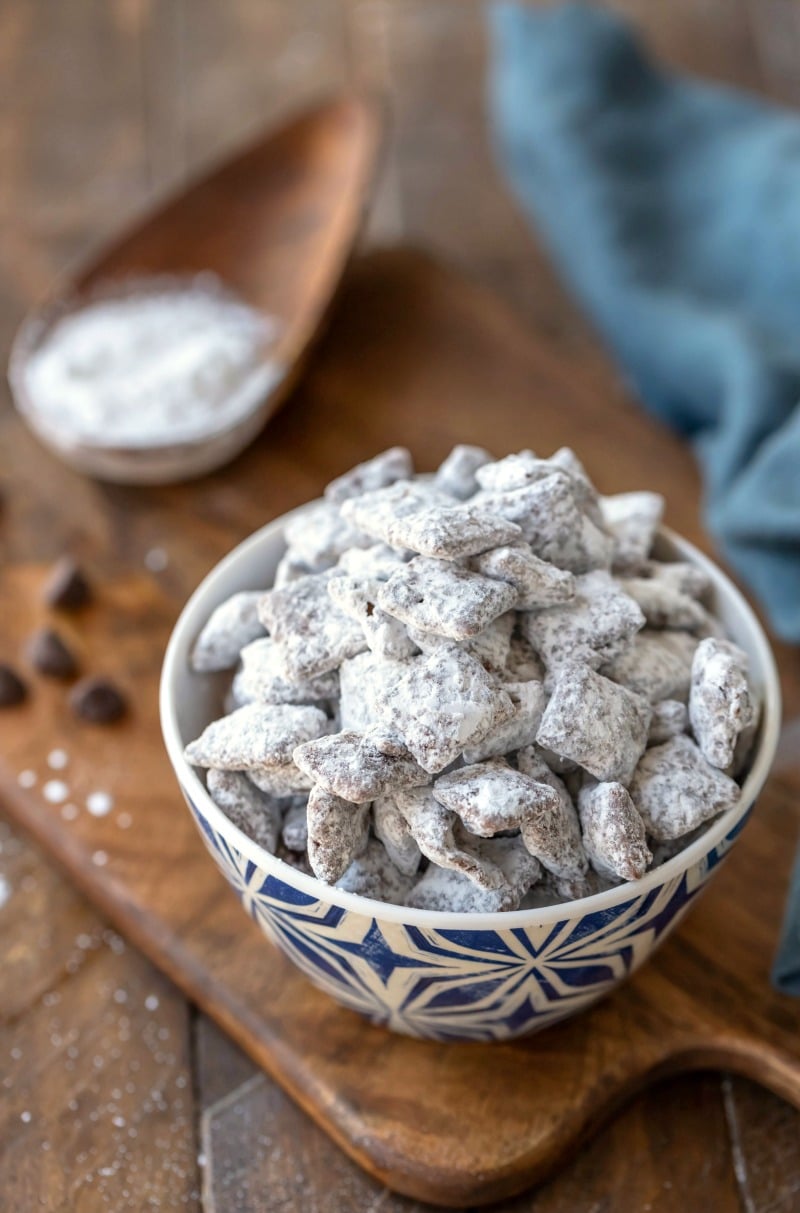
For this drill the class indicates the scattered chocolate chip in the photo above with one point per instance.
(12, 688)
(67, 588)
(48, 654)
(97, 700)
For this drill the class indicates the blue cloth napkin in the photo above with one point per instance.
(786, 966)
(672, 209)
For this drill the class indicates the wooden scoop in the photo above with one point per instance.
(276, 224)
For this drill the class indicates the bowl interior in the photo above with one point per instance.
(189, 701)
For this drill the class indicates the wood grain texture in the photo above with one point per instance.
(73, 1060)
(73, 156)
(649, 1157)
(97, 1108)
(405, 335)
(248, 64)
(180, 83)
(765, 1140)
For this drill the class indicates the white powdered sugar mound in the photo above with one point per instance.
(168, 361)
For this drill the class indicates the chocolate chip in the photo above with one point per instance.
(12, 688)
(97, 700)
(67, 588)
(48, 654)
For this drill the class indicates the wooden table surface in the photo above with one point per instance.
(131, 1099)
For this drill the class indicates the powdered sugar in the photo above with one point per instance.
(55, 791)
(162, 361)
(99, 804)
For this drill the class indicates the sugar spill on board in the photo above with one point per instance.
(55, 791)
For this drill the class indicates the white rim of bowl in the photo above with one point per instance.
(194, 615)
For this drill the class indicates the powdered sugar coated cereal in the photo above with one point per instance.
(469, 693)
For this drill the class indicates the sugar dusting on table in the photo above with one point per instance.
(157, 361)
(55, 791)
(99, 804)
(156, 560)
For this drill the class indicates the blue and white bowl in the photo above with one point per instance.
(427, 973)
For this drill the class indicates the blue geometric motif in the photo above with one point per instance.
(454, 984)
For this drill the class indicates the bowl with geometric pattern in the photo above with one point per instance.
(434, 974)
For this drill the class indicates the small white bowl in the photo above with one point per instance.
(448, 976)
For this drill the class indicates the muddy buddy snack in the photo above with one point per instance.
(233, 625)
(476, 691)
(721, 706)
(254, 812)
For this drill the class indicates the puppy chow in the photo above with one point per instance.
(676, 790)
(633, 520)
(721, 706)
(538, 583)
(475, 692)
(613, 831)
(456, 476)
(436, 596)
(257, 815)
(440, 703)
(386, 636)
(595, 627)
(355, 767)
(338, 831)
(386, 468)
(231, 626)
(260, 678)
(314, 636)
(596, 723)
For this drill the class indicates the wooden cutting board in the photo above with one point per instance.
(413, 354)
